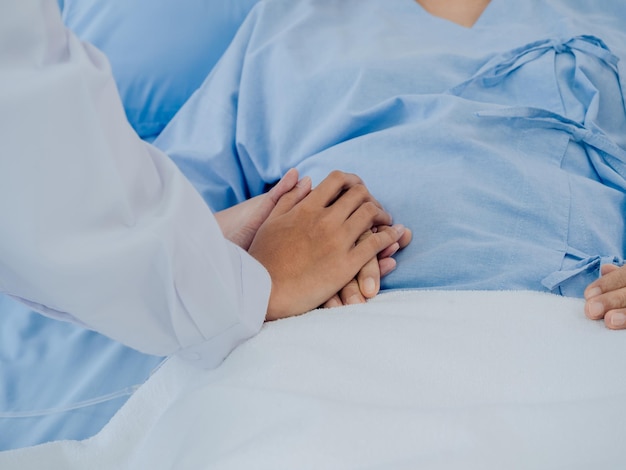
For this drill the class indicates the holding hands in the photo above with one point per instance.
(240, 223)
(324, 246)
(313, 245)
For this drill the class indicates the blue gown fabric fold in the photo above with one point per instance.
(502, 146)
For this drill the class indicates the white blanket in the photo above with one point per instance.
(428, 380)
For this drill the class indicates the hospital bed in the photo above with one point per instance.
(412, 379)
(423, 379)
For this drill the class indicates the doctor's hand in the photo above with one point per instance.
(240, 223)
(606, 297)
(366, 284)
(310, 246)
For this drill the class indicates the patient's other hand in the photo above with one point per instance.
(240, 223)
(366, 284)
(606, 297)
(309, 246)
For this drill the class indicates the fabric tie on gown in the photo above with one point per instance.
(575, 113)
(586, 265)
(502, 65)
(607, 158)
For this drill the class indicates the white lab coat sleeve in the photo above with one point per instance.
(98, 227)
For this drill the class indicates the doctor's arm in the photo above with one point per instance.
(98, 227)
(101, 229)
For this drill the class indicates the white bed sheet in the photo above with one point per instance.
(419, 379)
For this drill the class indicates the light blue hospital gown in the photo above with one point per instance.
(502, 146)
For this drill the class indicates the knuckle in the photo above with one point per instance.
(325, 229)
(370, 209)
(352, 176)
(361, 191)
(613, 280)
(365, 235)
(337, 176)
(617, 299)
(619, 277)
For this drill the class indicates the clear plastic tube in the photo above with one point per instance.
(78, 405)
(74, 406)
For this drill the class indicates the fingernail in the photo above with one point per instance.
(593, 292)
(355, 299)
(369, 286)
(618, 319)
(596, 309)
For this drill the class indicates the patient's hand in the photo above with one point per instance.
(606, 297)
(240, 223)
(366, 284)
(309, 245)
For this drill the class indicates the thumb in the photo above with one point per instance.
(290, 199)
(284, 185)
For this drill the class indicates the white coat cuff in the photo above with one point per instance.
(254, 287)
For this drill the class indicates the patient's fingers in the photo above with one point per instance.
(386, 265)
(365, 285)
(284, 185)
(597, 306)
(608, 268)
(376, 243)
(606, 297)
(389, 251)
(406, 238)
(290, 199)
(615, 319)
(334, 301)
(612, 278)
(368, 278)
(351, 294)
(367, 282)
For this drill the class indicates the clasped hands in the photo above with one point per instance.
(322, 246)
